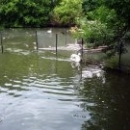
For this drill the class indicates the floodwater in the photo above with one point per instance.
(42, 91)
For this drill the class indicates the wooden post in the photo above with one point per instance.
(2, 48)
(36, 41)
(56, 42)
(82, 46)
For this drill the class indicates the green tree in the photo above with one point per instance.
(67, 11)
(103, 24)
(122, 9)
(25, 13)
(89, 5)
(114, 16)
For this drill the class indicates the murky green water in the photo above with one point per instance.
(39, 91)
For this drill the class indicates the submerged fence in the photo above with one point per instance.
(36, 39)
(53, 40)
(1, 39)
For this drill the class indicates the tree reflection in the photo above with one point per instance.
(107, 103)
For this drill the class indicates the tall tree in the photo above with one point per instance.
(89, 5)
(25, 13)
(67, 11)
(122, 8)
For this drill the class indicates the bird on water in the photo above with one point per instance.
(76, 57)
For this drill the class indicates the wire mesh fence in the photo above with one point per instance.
(26, 39)
(51, 40)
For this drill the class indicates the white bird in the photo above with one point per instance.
(93, 72)
(75, 65)
(76, 58)
(49, 31)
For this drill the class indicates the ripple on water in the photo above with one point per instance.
(48, 87)
(8, 84)
(48, 100)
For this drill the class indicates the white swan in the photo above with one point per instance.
(92, 71)
(75, 65)
(76, 58)
(49, 31)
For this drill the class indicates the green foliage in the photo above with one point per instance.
(103, 14)
(122, 8)
(89, 5)
(25, 13)
(94, 32)
(107, 23)
(67, 11)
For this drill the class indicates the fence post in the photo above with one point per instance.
(56, 42)
(36, 41)
(82, 46)
(2, 48)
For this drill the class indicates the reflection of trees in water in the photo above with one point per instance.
(107, 103)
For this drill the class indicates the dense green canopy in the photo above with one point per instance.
(29, 13)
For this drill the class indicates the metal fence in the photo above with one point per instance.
(36, 39)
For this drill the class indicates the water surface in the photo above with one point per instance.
(41, 91)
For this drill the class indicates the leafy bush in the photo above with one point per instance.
(67, 12)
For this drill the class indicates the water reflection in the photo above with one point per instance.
(106, 98)
(41, 91)
(110, 104)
